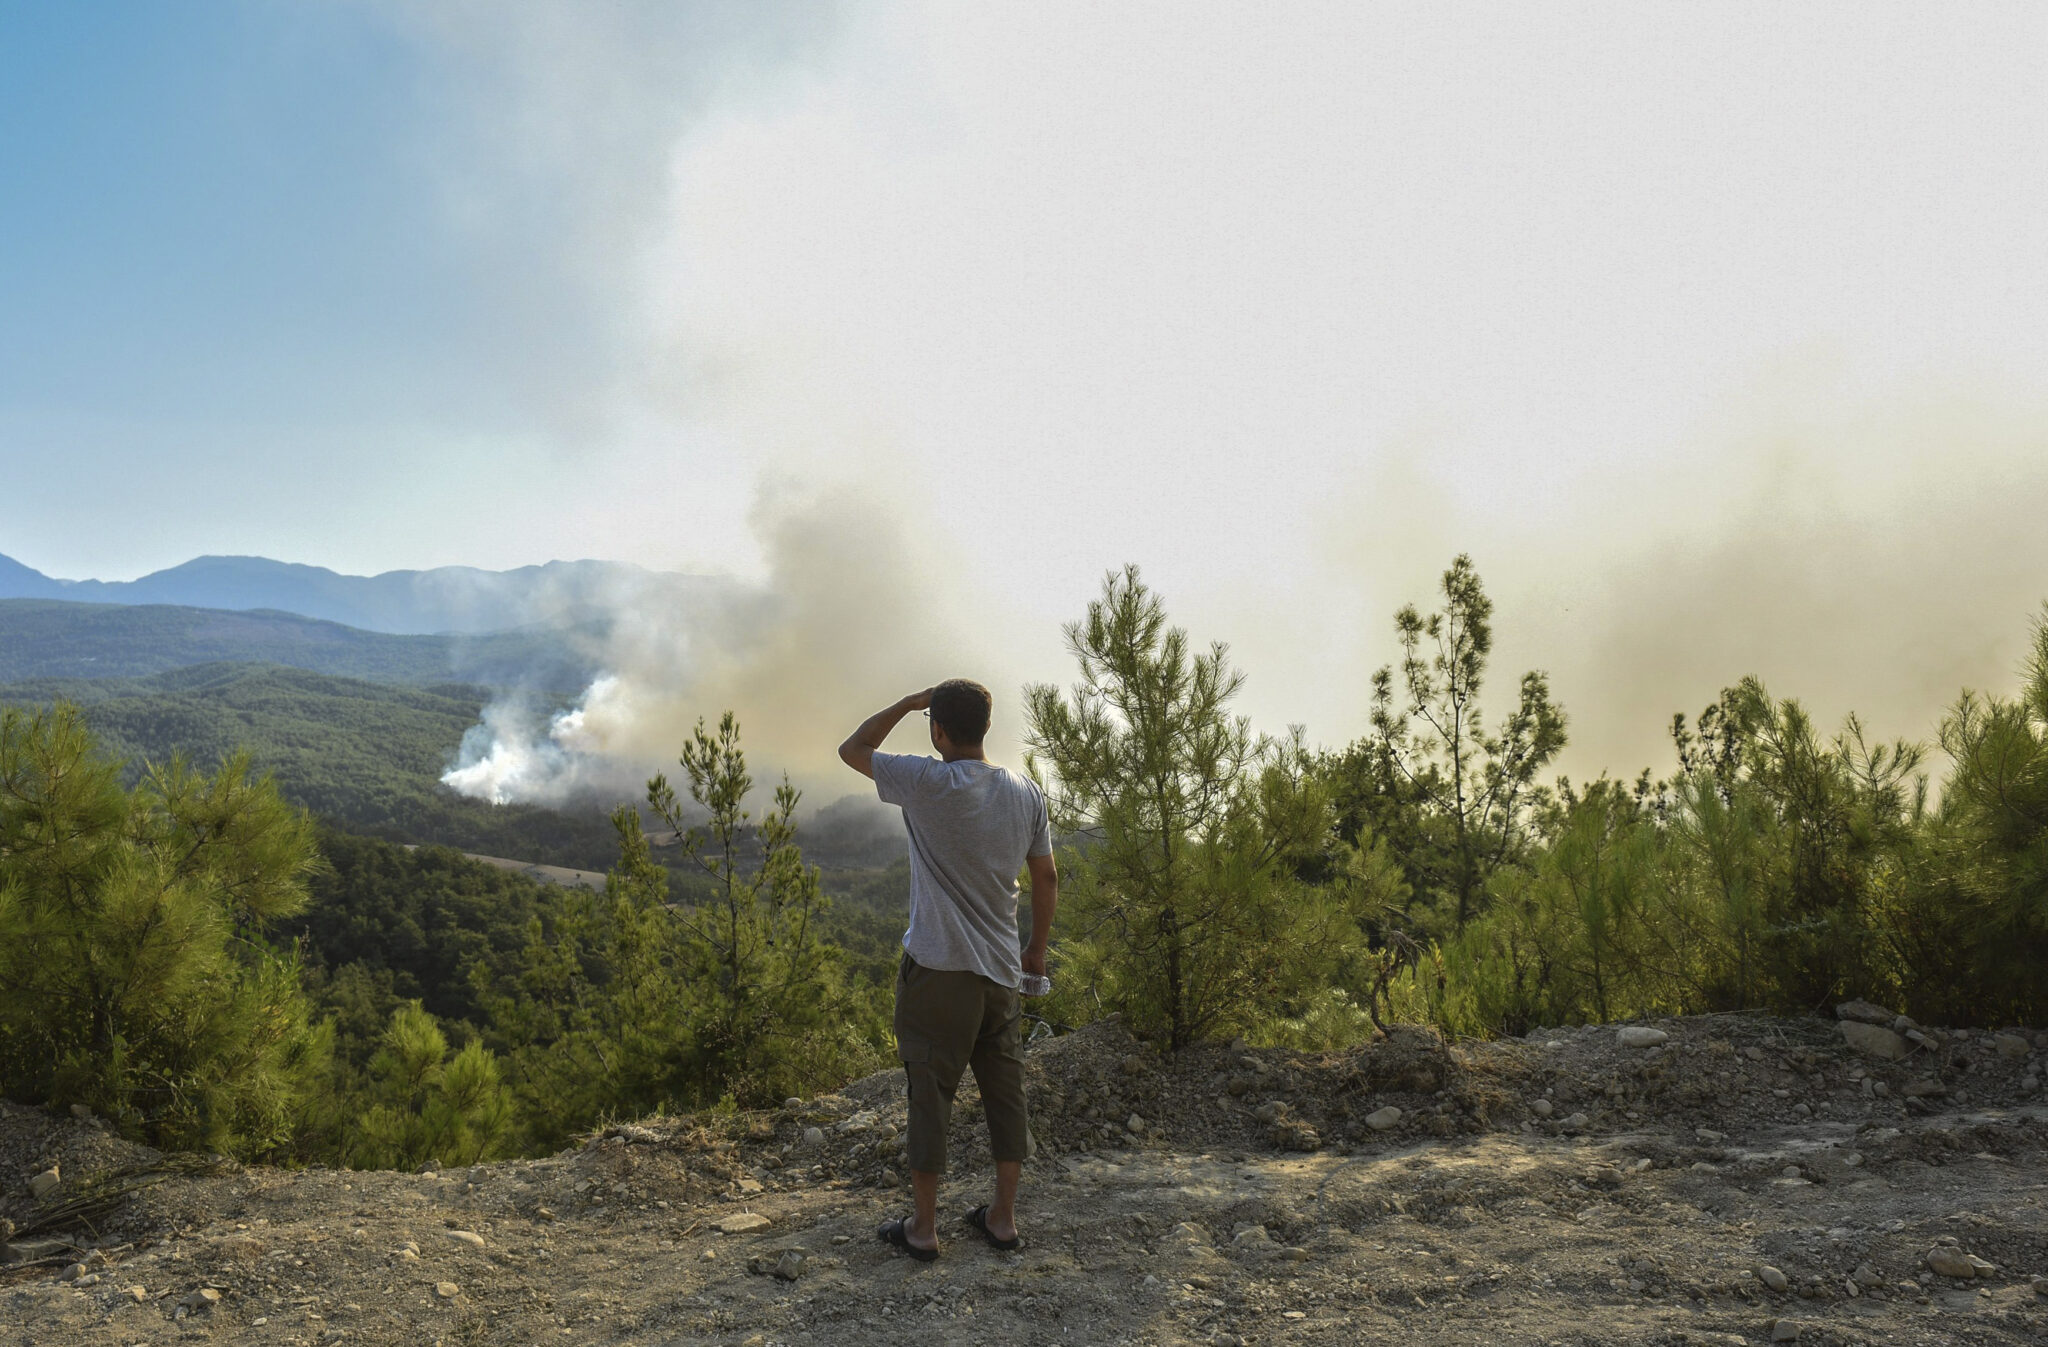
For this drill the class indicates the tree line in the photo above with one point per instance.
(193, 958)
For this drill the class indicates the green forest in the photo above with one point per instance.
(47, 638)
(246, 959)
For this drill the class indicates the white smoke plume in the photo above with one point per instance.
(856, 608)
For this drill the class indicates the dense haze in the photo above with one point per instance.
(1713, 335)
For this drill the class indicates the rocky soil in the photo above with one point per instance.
(1713, 1179)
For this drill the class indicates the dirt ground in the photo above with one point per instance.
(1747, 1180)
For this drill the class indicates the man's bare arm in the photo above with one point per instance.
(1045, 896)
(858, 752)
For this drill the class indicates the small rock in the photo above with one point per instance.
(1773, 1278)
(2011, 1045)
(1135, 1123)
(750, 1187)
(1948, 1261)
(469, 1237)
(792, 1102)
(1709, 1135)
(1640, 1036)
(842, 1239)
(888, 1178)
(1576, 1123)
(741, 1222)
(1863, 1012)
(1273, 1110)
(1873, 1040)
(1134, 1065)
(787, 1264)
(45, 1183)
(1925, 1088)
(72, 1273)
(1295, 1136)
(1383, 1119)
(1542, 1108)
(201, 1301)
(1982, 1268)
(1786, 1330)
(447, 1290)
(543, 1214)
(138, 1294)
(814, 1136)
(81, 1111)
(710, 1254)
(2040, 1284)
(1252, 1238)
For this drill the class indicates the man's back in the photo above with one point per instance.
(972, 825)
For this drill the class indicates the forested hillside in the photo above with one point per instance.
(363, 756)
(42, 638)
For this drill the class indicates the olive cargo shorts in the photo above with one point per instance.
(947, 1021)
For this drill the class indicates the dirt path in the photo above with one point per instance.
(1472, 1219)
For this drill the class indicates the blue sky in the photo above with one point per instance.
(217, 206)
(1714, 332)
(259, 261)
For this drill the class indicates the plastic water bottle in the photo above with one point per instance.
(1034, 984)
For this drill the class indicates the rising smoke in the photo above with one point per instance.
(855, 608)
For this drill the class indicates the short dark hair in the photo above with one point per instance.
(960, 707)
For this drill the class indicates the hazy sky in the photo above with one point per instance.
(1715, 333)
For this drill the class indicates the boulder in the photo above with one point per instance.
(1383, 1119)
(1873, 1040)
(1863, 1012)
(740, 1223)
(34, 1250)
(2011, 1046)
(1948, 1261)
(1640, 1036)
(42, 1185)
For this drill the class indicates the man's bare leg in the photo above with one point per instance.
(923, 1230)
(1002, 1213)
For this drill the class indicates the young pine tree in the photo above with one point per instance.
(134, 977)
(1183, 887)
(1458, 796)
(767, 1008)
(423, 1106)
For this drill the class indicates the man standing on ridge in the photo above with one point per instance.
(972, 826)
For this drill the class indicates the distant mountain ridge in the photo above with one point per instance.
(41, 638)
(446, 599)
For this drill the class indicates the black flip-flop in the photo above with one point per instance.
(978, 1218)
(898, 1234)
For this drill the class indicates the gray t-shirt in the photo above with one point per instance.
(971, 826)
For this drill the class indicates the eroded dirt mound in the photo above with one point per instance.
(1737, 1179)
